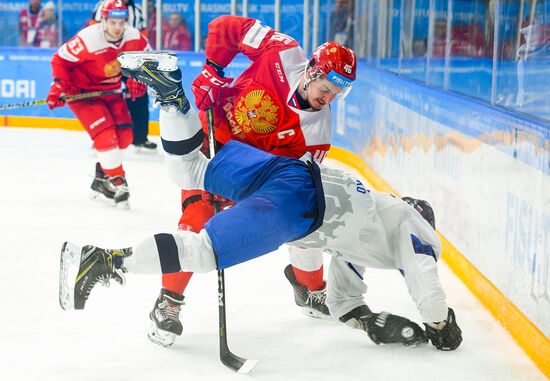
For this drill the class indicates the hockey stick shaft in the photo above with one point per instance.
(229, 359)
(69, 98)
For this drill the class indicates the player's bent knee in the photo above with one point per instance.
(125, 136)
(106, 140)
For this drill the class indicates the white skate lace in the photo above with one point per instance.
(170, 310)
(318, 297)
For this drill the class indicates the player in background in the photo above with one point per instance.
(138, 106)
(279, 104)
(88, 62)
(278, 200)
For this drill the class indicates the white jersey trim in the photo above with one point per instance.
(294, 63)
(94, 37)
(316, 126)
(64, 53)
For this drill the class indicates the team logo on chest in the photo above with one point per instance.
(111, 69)
(257, 111)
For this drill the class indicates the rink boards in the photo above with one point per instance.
(486, 172)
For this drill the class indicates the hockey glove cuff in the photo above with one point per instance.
(445, 335)
(56, 94)
(206, 87)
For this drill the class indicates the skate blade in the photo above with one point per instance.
(145, 151)
(310, 312)
(132, 60)
(160, 337)
(124, 205)
(68, 271)
(100, 197)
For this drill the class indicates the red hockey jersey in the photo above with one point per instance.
(257, 108)
(89, 62)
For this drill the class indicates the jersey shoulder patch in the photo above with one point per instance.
(256, 34)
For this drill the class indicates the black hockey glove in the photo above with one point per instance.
(445, 335)
(385, 328)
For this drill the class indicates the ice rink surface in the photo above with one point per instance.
(44, 201)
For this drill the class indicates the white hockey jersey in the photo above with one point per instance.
(363, 228)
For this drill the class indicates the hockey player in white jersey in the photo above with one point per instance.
(280, 200)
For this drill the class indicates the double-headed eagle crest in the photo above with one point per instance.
(256, 111)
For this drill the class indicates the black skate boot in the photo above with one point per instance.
(165, 318)
(121, 196)
(312, 302)
(82, 269)
(101, 189)
(145, 147)
(385, 328)
(160, 72)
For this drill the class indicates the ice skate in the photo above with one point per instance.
(385, 328)
(81, 269)
(147, 147)
(101, 189)
(122, 194)
(112, 191)
(165, 322)
(312, 302)
(160, 72)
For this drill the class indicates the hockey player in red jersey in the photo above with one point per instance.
(88, 62)
(279, 104)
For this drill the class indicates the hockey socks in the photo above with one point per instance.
(117, 171)
(313, 280)
(172, 253)
(176, 282)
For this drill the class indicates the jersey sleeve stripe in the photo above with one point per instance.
(183, 147)
(64, 53)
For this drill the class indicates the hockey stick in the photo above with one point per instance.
(230, 360)
(68, 98)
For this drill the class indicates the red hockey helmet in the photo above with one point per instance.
(115, 9)
(336, 63)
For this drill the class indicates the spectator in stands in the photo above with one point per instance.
(47, 34)
(342, 22)
(175, 34)
(466, 40)
(152, 24)
(420, 46)
(28, 23)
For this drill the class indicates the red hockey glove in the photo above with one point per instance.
(56, 94)
(135, 89)
(206, 87)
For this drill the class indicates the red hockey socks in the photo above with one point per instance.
(313, 280)
(117, 171)
(176, 282)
